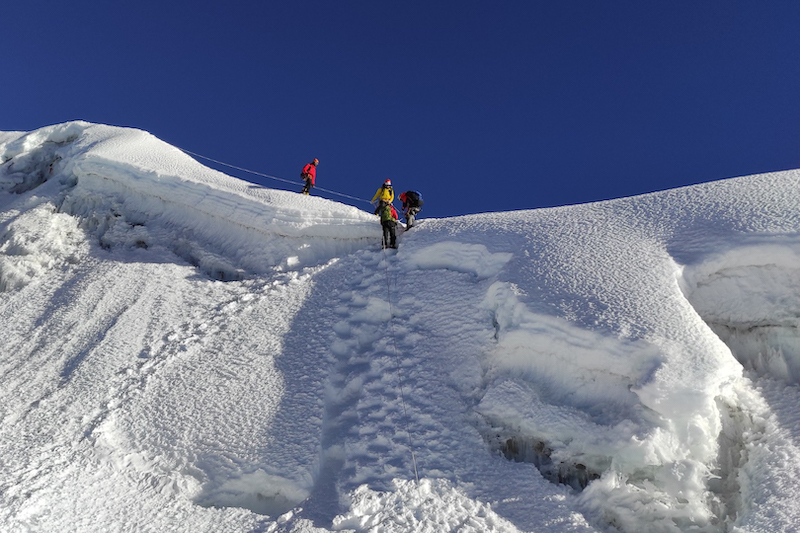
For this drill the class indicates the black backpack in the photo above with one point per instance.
(414, 198)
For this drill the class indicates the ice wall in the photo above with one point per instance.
(750, 297)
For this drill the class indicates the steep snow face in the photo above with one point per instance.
(187, 351)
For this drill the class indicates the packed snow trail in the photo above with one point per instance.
(440, 403)
(399, 366)
(185, 351)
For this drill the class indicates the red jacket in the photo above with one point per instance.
(310, 170)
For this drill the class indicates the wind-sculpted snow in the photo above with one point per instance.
(468, 258)
(131, 189)
(186, 351)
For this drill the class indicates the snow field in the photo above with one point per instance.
(551, 370)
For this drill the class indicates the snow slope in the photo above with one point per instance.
(185, 351)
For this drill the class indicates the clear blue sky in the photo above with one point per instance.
(482, 106)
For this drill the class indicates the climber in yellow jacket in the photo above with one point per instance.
(384, 195)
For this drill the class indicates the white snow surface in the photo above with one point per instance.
(185, 351)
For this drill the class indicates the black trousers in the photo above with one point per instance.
(389, 235)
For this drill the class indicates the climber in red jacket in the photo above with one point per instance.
(309, 174)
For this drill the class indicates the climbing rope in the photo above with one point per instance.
(267, 175)
(388, 293)
(397, 362)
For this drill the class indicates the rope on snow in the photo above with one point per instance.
(268, 176)
(397, 361)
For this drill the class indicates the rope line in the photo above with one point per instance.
(268, 176)
(397, 362)
(388, 294)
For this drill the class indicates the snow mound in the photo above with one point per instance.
(431, 506)
(459, 257)
(37, 241)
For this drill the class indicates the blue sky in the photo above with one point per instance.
(482, 106)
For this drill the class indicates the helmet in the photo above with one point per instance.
(387, 182)
(315, 161)
(403, 197)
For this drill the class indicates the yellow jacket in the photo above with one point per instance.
(387, 195)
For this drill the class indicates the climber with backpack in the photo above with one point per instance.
(412, 204)
(388, 216)
(309, 174)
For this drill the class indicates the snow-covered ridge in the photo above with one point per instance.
(123, 181)
(629, 365)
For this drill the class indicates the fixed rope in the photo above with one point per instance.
(388, 293)
(397, 362)
(267, 175)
